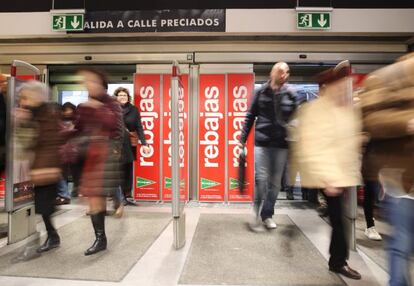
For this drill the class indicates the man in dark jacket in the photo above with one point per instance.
(271, 108)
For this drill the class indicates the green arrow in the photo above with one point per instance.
(75, 23)
(142, 182)
(322, 21)
(168, 183)
(205, 183)
(234, 183)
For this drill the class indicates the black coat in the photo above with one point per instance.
(272, 111)
(132, 121)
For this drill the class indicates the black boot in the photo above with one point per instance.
(52, 241)
(98, 222)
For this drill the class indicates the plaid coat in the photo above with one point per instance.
(101, 174)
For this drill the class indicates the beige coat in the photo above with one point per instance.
(326, 149)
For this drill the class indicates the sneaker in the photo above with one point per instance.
(372, 233)
(62, 201)
(269, 223)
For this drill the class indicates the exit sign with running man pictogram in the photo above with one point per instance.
(314, 20)
(67, 22)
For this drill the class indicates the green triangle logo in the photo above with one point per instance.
(168, 183)
(142, 182)
(205, 183)
(234, 183)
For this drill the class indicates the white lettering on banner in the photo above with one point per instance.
(181, 117)
(98, 25)
(142, 23)
(148, 117)
(187, 22)
(211, 125)
(120, 24)
(240, 108)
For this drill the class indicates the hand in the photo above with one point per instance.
(410, 127)
(146, 149)
(331, 191)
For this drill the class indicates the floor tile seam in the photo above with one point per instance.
(372, 264)
(147, 249)
(346, 281)
(164, 236)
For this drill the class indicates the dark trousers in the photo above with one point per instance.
(44, 199)
(48, 223)
(76, 172)
(370, 193)
(338, 248)
(127, 179)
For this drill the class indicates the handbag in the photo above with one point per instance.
(133, 138)
(45, 176)
(75, 149)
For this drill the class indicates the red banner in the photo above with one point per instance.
(2, 185)
(240, 92)
(211, 138)
(147, 167)
(183, 97)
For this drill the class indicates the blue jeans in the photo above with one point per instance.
(401, 244)
(63, 189)
(269, 167)
(118, 196)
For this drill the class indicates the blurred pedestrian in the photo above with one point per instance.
(100, 121)
(270, 111)
(387, 104)
(328, 151)
(68, 116)
(134, 131)
(43, 118)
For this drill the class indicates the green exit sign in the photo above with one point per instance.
(67, 22)
(314, 20)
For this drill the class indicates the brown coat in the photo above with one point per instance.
(387, 105)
